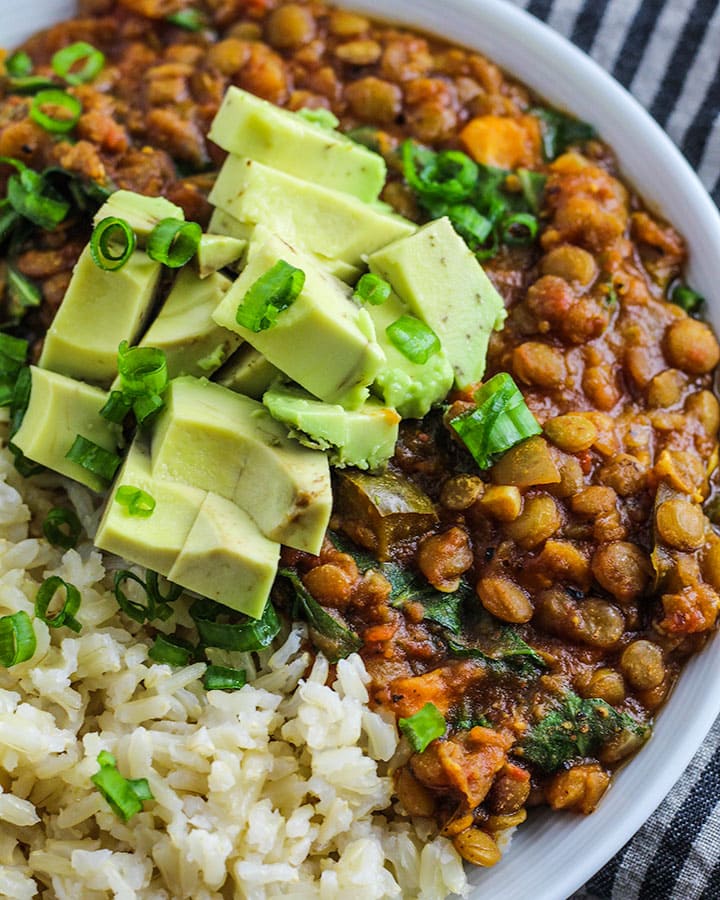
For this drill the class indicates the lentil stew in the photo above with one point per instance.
(546, 606)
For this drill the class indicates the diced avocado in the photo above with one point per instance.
(184, 329)
(248, 126)
(215, 439)
(308, 215)
(440, 279)
(342, 270)
(411, 388)
(156, 540)
(381, 511)
(215, 251)
(225, 557)
(323, 341)
(363, 437)
(140, 212)
(247, 372)
(60, 409)
(100, 309)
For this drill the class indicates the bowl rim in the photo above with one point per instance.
(568, 78)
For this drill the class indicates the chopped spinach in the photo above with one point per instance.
(509, 654)
(466, 718)
(576, 728)
(340, 641)
(560, 131)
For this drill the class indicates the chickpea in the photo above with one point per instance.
(594, 501)
(600, 387)
(330, 585)
(538, 521)
(642, 664)
(374, 100)
(681, 524)
(539, 364)
(625, 474)
(228, 56)
(290, 26)
(415, 798)
(623, 569)
(600, 624)
(461, 491)
(573, 264)
(359, 53)
(504, 599)
(503, 502)
(705, 408)
(347, 24)
(666, 389)
(443, 558)
(579, 788)
(571, 478)
(571, 433)
(477, 847)
(691, 346)
(605, 684)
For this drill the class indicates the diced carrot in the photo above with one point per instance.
(378, 633)
(503, 142)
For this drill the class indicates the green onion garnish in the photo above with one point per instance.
(471, 225)
(413, 338)
(23, 293)
(520, 229)
(146, 407)
(223, 678)
(372, 289)
(12, 359)
(20, 400)
(171, 650)
(500, 420)
(189, 19)
(533, 188)
(62, 528)
(322, 117)
(449, 176)
(425, 726)
(112, 243)
(66, 616)
(18, 64)
(117, 407)
(247, 634)
(17, 639)
(136, 501)
(173, 242)
(94, 458)
(269, 296)
(140, 612)
(686, 298)
(32, 197)
(152, 586)
(65, 63)
(143, 370)
(30, 84)
(124, 795)
(56, 124)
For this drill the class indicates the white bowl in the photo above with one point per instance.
(553, 854)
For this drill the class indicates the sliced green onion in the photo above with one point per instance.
(117, 407)
(124, 795)
(20, 400)
(322, 117)
(413, 338)
(60, 99)
(140, 612)
(269, 296)
(425, 726)
(533, 188)
(449, 176)
(136, 501)
(223, 678)
(147, 407)
(471, 225)
(23, 293)
(112, 243)
(173, 242)
(520, 229)
(30, 84)
(24, 466)
(17, 639)
(171, 650)
(372, 289)
(500, 420)
(189, 19)
(64, 63)
(66, 616)
(93, 457)
(18, 64)
(8, 219)
(12, 358)
(62, 528)
(156, 595)
(32, 197)
(247, 634)
(143, 370)
(686, 298)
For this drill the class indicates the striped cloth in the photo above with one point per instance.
(667, 53)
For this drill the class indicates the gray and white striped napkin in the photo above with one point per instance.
(667, 53)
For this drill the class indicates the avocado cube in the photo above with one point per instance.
(216, 251)
(225, 557)
(214, 439)
(247, 372)
(363, 437)
(320, 220)
(323, 341)
(100, 309)
(248, 126)
(184, 329)
(60, 409)
(140, 212)
(411, 388)
(436, 274)
(154, 541)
